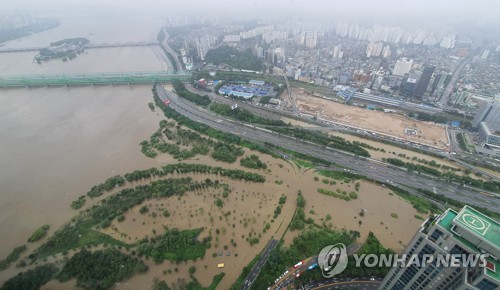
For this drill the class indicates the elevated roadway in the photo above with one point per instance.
(362, 166)
(90, 79)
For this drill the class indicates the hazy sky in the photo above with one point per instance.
(422, 11)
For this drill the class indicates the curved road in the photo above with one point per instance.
(377, 171)
(354, 284)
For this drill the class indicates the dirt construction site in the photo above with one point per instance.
(371, 120)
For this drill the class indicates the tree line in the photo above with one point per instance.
(32, 279)
(174, 245)
(12, 257)
(108, 185)
(253, 161)
(243, 115)
(100, 269)
(180, 89)
(207, 130)
(308, 244)
(324, 139)
(81, 232)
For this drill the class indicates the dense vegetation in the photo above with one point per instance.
(201, 168)
(234, 57)
(371, 246)
(66, 49)
(12, 257)
(298, 220)
(339, 194)
(308, 244)
(71, 41)
(81, 232)
(108, 185)
(207, 130)
(31, 279)
(174, 245)
(325, 140)
(243, 115)
(253, 161)
(79, 203)
(39, 233)
(199, 144)
(461, 141)
(226, 152)
(181, 90)
(429, 118)
(100, 269)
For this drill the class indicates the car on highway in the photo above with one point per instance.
(312, 266)
(298, 264)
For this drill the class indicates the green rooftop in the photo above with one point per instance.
(479, 224)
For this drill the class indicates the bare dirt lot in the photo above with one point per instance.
(381, 122)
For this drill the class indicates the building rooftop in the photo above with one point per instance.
(481, 226)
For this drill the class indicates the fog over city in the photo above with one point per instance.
(386, 11)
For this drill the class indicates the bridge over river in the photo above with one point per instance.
(89, 79)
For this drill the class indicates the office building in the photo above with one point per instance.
(423, 82)
(490, 138)
(409, 86)
(487, 120)
(464, 233)
(402, 67)
(488, 112)
(435, 83)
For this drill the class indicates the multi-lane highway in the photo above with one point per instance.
(362, 166)
(291, 275)
(262, 261)
(365, 284)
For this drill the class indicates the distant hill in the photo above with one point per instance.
(234, 57)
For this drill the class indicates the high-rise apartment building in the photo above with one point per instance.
(402, 67)
(465, 233)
